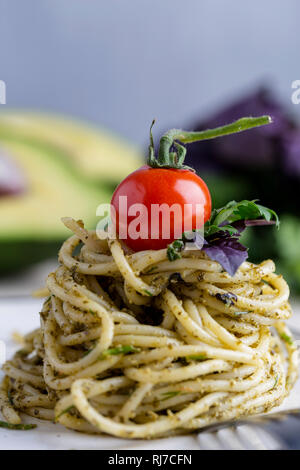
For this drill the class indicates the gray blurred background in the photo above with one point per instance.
(119, 63)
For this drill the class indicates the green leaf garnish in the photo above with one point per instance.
(243, 210)
(174, 250)
(17, 427)
(212, 229)
(220, 237)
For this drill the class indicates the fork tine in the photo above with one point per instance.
(250, 438)
(230, 439)
(270, 440)
(254, 420)
(255, 432)
(209, 441)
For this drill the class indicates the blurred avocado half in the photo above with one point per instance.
(53, 167)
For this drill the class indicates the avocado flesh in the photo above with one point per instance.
(95, 154)
(30, 227)
(53, 191)
(69, 169)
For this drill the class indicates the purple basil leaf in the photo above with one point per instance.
(239, 225)
(199, 240)
(257, 222)
(225, 248)
(229, 252)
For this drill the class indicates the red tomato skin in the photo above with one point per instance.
(158, 186)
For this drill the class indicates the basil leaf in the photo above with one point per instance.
(243, 210)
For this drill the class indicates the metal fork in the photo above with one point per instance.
(273, 431)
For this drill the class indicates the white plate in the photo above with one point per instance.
(22, 315)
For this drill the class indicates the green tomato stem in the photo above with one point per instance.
(167, 159)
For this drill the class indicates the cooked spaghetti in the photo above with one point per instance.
(137, 346)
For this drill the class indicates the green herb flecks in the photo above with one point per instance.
(17, 427)
(197, 357)
(168, 395)
(22, 352)
(10, 398)
(127, 349)
(86, 353)
(150, 270)
(286, 338)
(148, 293)
(64, 412)
(92, 312)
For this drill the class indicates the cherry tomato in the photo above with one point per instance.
(156, 186)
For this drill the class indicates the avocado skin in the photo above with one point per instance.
(16, 256)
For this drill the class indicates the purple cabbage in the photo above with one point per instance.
(262, 147)
(291, 150)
